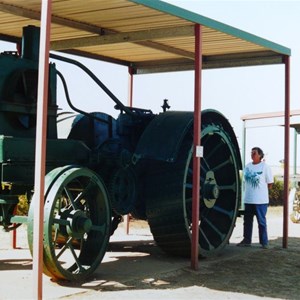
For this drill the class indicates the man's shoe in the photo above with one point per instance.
(244, 244)
(265, 246)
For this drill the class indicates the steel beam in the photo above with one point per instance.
(286, 153)
(123, 37)
(197, 142)
(40, 148)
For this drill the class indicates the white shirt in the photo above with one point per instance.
(256, 180)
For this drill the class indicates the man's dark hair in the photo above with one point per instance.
(259, 151)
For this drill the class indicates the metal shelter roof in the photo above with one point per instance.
(279, 115)
(147, 35)
(274, 119)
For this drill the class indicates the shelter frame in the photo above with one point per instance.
(196, 62)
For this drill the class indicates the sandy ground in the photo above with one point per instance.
(134, 267)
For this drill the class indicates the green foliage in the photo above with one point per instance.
(276, 193)
(23, 206)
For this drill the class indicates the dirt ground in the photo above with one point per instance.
(134, 267)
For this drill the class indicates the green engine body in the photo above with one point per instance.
(141, 162)
(18, 110)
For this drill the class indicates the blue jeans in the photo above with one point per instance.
(260, 211)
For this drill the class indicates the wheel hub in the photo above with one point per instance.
(211, 190)
(79, 224)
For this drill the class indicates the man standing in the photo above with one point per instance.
(258, 180)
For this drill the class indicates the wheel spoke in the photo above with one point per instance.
(84, 193)
(222, 165)
(70, 197)
(64, 248)
(203, 235)
(60, 222)
(213, 227)
(204, 165)
(86, 189)
(228, 187)
(80, 267)
(229, 213)
(213, 151)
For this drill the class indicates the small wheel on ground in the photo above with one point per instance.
(77, 218)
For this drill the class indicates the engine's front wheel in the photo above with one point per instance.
(77, 218)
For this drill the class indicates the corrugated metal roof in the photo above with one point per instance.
(148, 35)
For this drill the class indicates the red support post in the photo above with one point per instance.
(40, 148)
(14, 235)
(197, 141)
(130, 102)
(286, 152)
(130, 86)
(14, 238)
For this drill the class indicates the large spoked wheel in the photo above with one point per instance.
(219, 187)
(77, 218)
(169, 206)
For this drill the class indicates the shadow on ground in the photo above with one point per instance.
(15, 264)
(254, 271)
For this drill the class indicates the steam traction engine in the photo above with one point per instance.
(139, 163)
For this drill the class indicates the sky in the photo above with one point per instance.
(234, 92)
(251, 90)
